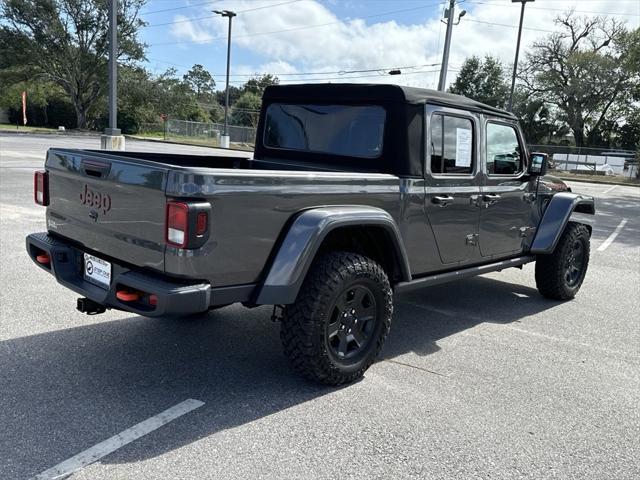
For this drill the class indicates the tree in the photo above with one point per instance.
(483, 81)
(176, 98)
(201, 82)
(234, 94)
(246, 109)
(256, 85)
(65, 42)
(583, 70)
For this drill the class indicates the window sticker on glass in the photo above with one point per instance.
(463, 147)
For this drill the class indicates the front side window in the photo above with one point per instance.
(451, 145)
(504, 155)
(347, 130)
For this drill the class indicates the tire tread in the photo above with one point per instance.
(303, 321)
(550, 268)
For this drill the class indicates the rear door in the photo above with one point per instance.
(507, 191)
(452, 182)
(112, 205)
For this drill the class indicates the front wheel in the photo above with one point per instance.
(340, 319)
(560, 274)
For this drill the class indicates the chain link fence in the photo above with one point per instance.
(590, 160)
(207, 133)
(587, 160)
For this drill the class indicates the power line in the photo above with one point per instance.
(305, 27)
(344, 76)
(508, 26)
(334, 72)
(214, 16)
(178, 8)
(561, 9)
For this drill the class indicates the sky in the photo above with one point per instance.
(349, 40)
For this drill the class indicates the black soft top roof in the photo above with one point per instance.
(373, 92)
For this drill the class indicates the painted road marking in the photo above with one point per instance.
(613, 236)
(112, 444)
(609, 189)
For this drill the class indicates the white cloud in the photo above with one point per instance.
(331, 44)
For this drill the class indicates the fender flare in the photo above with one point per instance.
(556, 217)
(303, 239)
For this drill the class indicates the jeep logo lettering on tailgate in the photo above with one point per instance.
(95, 199)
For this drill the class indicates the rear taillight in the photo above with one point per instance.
(177, 224)
(187, 223)
(41, 188)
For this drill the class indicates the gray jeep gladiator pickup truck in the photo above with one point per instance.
(354, 193)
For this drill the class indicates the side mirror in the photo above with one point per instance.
(538, 164)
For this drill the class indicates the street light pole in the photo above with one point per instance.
(449, 13)
(112, 139)
(113, 69)
(515, 63)
(225, 134)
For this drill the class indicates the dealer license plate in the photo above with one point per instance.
(97, 271)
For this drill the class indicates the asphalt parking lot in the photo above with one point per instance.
(479, 379)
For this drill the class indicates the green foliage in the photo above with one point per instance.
(246, 109)
(587, 72)
(65, 42)
(482, 80)
(256, 85)
(143, 98)
(201, 82)
(234, 94)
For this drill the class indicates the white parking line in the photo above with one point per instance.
(112, 444)
(609, 189)
(613, 236)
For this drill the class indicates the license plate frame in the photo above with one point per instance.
(97, 271)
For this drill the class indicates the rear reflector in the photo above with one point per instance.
(41, 188)
(43, 258)
(202, 221)
(127, 296)
(177, 224)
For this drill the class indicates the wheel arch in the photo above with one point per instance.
(361, 229)
(555, 219)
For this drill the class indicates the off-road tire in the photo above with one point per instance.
(305, 323)
(551, 270)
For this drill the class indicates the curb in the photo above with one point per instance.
(68, 133)
(603, 182)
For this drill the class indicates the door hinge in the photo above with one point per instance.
(472, 239)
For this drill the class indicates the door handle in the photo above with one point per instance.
(442, 200)
(490, 199)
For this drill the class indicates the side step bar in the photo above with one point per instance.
(439, 278)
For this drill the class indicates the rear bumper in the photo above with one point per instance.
(171, 297)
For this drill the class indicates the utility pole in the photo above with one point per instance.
(449, 14)
(515, 63)
(112, 139)
(224, 140)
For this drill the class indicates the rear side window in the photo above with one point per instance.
(348, 130)
(504, 155)
(451, 145)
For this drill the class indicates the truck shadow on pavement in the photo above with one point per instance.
(64, 391)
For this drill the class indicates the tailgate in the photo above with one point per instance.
(111, 204)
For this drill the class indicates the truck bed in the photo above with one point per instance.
(114, 205)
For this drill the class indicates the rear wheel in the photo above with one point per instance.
(340, 319)
(560, 274)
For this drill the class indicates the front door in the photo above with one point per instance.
(507, 192)
(452, 183)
